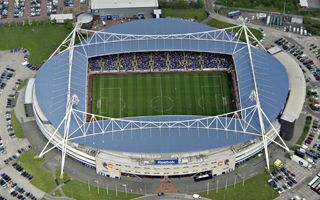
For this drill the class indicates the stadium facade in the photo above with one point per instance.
(160, 145)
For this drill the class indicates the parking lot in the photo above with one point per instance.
(283, 179)
(291, 181)
(298, 51)
(20, 10)
(302, 190)
(13, 182)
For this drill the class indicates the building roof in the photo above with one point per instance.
(274, 50)
(61, 17)
(28, 92)
(84, 18)
(52, 81)
(109, 4)
(297, 87)
(297, 20)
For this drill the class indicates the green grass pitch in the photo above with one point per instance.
(125, 95)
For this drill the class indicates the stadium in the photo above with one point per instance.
(160, 97)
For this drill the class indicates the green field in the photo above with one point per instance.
(80, 191)
(124, 95)
(184, 9)
(42, 177)
(41, 40)
(186, 13)
(252, 189)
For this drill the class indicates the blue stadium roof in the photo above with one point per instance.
(52, 80)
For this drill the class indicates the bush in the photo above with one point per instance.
(48, 21)
(33, 22)
(305, 130)
(313, 26)
(68, 24)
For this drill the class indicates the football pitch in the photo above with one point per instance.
(127, 95)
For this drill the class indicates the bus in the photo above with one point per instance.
(202, 177)
(232, 14)
(315, 184)
(313, 181)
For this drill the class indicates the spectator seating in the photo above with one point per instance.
(160, 61)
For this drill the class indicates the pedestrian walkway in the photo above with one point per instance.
(166, 186)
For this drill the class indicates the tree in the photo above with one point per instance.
(68, 24)
(180, 4)
(33, 22)
(48, 21)
(199, 4)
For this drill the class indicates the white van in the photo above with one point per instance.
(196, 196)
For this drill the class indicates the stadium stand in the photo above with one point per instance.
(160, 61)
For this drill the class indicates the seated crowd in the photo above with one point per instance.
(160, 61)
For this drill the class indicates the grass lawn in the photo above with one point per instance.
(253, 189)
(123, 95)
(305, 130)
(57, 193)
(186, 13)
(80, 191)
(40, 40)
(221, 24)
(18, 131)
(41, 177)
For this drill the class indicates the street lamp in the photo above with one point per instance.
(125, 188)
(88, 185)
(97, 181)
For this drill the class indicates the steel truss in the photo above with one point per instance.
(241, 121)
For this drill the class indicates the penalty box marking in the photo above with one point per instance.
(105, 98)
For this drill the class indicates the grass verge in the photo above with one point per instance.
(41, 40)
(42, 178)
(80, 191)
(22, 84)
(57, 193)
(305, 130)
(253, 189)
(18, 131)
(313, 26)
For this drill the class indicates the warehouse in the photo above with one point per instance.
(116, 9)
